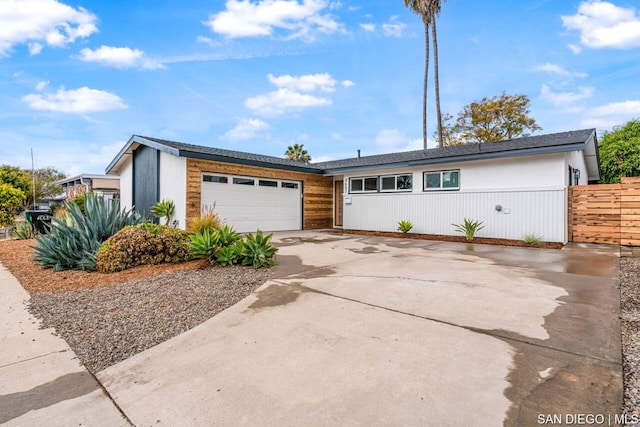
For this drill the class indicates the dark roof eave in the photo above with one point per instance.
(248, 162)
(465, 158)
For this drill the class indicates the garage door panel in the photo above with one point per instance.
(251, 207)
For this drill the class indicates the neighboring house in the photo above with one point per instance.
(515, 187)
(107, 186)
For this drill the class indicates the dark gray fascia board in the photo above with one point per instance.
(465, 158)
(140, 140)
(247, 162)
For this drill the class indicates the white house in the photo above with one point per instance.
(514, 187)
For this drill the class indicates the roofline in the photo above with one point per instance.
(86, 175)
(135, 139)
(465, 158)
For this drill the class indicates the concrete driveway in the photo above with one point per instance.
(357, 330)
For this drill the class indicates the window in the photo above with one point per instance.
(396, 183)
(243, 181)
(442, 180)
(363, 185)
(215, 178)
(267, 183)
(293, 185)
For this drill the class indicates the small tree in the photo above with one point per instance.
(11, 200)
(493, 119)
(297, 152)
(619, 152)
(17, 178)
(45, 183)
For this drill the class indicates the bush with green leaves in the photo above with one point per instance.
(163, 209)
(74, 240)
(203, 245)
(11, 200)
(24, 231)
(79, 201)
(258, 251)
(229, 255)
(143, 244)
(469, 228)
(209, 220)
(405, 226)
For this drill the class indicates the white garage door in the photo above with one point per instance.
(250, 203)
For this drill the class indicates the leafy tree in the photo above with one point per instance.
(11, 200)
(428, 10)
(16, 177)
(45, 180)
(492, 119)
(297, 152)
(619, 152)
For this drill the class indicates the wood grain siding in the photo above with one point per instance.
(317, 189)
(608, 214)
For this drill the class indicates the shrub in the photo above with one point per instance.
(79, 201)
(11, 200)
(164, 209)
(469, 228)
(229, 255)
(143, 244)
(24, 231)
(74, 241)
(532, 239)
(405, 226)
(209, 220)
(257, 250)
(203, 245)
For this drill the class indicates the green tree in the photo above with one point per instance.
(297, 152)
(11, 200)
(492, 119)
(428, 10)
(16, 177)
(45, 184)
(619, 152)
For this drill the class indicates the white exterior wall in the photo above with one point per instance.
(530, 190)
(173, 184)
(575, 159)
(126, 184)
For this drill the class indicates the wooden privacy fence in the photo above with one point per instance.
(605, 213)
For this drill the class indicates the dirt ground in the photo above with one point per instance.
(17, 257)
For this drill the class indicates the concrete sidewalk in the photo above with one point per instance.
(41, 381)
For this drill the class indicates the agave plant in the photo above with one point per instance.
(227, 236)
(258, 251)
(203, 245)
(229, 255)
(74, 241)
(24, 231)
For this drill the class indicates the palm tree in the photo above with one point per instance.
(297, 152)
(428, 10)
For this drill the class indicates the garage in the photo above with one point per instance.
(251, 203)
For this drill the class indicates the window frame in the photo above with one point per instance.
(442, 187)
(363, 179)
(241, 180)
(396, 189)
(219, 179)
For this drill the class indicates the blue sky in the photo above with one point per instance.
(77, 79)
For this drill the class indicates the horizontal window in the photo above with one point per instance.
(396, 183)
(243, 181)
(442, 180)
(363, 185)
(215, 178)
(267, 183)
(293, 185)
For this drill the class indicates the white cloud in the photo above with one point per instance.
(368, 27)
(118, 57)
(565, 99)
(624, 108)
(336, 136)
(392, 140)
(246, 129)
(603, 24)
(79, 101)
(39, 22)
(558, 70)
(305, 83)
(575, 48)
(393, 29)
(348, 83)
(209, 41)
(282, 100)
(41, 85)
(265, 17)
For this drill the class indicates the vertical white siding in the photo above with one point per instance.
(173, 184)
(542, 212)
(126, 184)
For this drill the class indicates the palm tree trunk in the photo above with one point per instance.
(426, 74)
(436, 79)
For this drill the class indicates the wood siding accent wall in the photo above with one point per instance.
(605, 213)
(317, 189)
